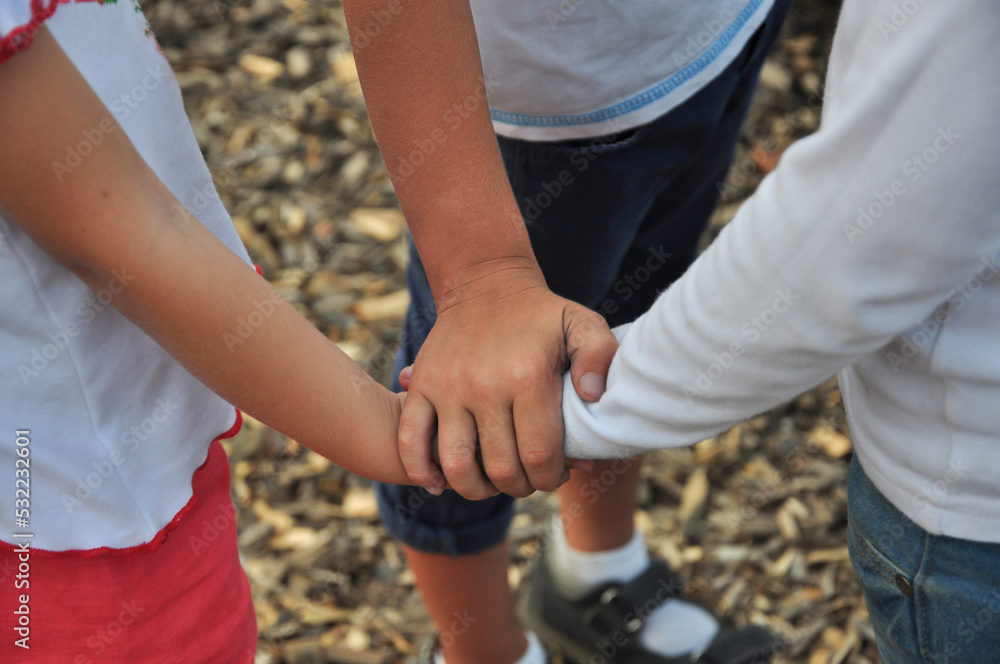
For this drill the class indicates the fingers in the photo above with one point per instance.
(417, 424)
(458, 448)
(591, 346)
(404, 377)
(539, 431)
(500, 454)
(586, 465)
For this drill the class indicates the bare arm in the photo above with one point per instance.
(491, 365)
(114, 213)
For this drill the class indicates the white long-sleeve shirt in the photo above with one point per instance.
(873, 250)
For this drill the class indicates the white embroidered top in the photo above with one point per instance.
(117, 427)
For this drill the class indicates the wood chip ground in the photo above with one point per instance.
(754, 518)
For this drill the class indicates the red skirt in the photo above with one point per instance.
(182, 597)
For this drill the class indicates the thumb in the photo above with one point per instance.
(590, 345)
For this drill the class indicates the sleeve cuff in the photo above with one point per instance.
(583, 436)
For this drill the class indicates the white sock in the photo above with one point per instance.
(675, 628)
(533, 655)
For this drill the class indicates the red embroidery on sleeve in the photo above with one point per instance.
(20, 38)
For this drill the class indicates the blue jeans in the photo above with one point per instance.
(932, 599)
(613, 221)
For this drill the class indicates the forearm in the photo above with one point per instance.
(849, 243)
(252, 348)
(423, 85)
(113, 217)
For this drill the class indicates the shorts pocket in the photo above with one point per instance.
(575, 152)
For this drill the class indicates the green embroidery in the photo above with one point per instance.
(138, 10)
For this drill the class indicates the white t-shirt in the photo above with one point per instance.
(873, 250)
(561, 69)
(117, 427)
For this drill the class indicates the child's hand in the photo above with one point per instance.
(189, 290)
(404, 381)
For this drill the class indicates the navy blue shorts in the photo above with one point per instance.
(613, 222)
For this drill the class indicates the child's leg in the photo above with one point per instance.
(604, 240)
(470, 602)
(596, 508)
(685, 155)
(456, 548)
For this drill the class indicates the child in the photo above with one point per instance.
(131, 320)
(615, 123)
(873, 250)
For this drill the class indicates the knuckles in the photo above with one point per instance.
(544, 467)
(410, 436)
(458, 463)
(540, 458)
(525, 372)
(504, 474)
(589, 327)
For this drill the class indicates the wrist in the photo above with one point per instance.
(489, 280)
(463, 247)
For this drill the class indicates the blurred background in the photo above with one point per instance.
(755, 518)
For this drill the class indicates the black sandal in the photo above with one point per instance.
(601, 628)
